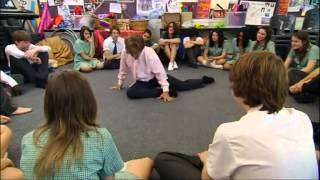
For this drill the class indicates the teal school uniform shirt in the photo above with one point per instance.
(100, 158)
(269, 48)
(81, 46)
(236, 50)
(312, 54)
(215, 50)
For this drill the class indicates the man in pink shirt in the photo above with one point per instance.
(150, 78)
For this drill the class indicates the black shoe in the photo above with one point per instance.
(207, 79)
(173, 93)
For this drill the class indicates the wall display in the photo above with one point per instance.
(145, 7)
(115, 8)
(73, 2)
(125, 1)
(203, 9)
(172, 6)
(55, 2)
(258, 13)
(295, 5)
(283, 7)
(224, 4)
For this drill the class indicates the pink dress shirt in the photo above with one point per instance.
(145, 68)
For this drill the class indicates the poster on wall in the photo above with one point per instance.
(258, 13)
(115, 8)
(295, 5)
(73, 2)
(283, 7)
(145, 7)
(219, 4)
(55, 2)
(203, 9)
(125, 1)
(172, 6)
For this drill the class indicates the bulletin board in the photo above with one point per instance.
(259, 13)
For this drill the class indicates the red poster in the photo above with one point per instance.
(283, 7)
(203, 9)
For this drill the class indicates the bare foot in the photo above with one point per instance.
(4, 119)
(21, 110)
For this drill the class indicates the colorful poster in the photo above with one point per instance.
(73, 2)
(115, 8)
(125, 1)
(145, 7)
(203, 9)
(283, 7)
(295, 5)
(258, 13)
(219, 4)
(172, 6)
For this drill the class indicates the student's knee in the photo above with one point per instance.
(6, 131)
(220, 61)
(12, 173)
(227, 66)
(86, 68)
(131, 93)
(161, 158)
(100, 65)
(43, 55)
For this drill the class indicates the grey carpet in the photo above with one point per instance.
(148, 126)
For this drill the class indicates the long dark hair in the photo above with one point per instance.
(245, 37)
(304, 37)
(267, 39)
(82, 30)
(175, 28)
(220, 38)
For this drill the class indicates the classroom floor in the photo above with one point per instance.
(145, 127)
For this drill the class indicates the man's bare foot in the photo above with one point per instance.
(4, 119)
(21, 110)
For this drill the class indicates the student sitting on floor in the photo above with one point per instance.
(84, 48)
(112, 47)
(307, 88)
(263, 42)
(7, 108)
(150, 78)
(8, 171)
(11, 84)
(268, 142)
(239, 46)
(302, 58)
(148, 42)
(27, 59)
(169, 42)
(215, 52)
(70, 144)
(192, 44)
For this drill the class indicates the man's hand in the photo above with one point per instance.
(117, 87)
(166, 97)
